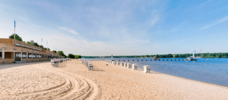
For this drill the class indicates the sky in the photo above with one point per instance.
(119, 27)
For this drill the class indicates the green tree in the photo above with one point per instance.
(17, 37)
(46, 49)
(71, 56)
(41, 46)
(29, 42)
(218, 55)
(61, 53)
(77, 56)
(54, 51)
(36, 44)
(170, 56)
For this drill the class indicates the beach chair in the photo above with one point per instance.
(122, 64)
(52, 61)
(118, 63)
(128, 65)
(146, 69)
(90, 66)
(125, 64)
(134, 67)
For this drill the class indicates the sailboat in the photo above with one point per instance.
(191, 58)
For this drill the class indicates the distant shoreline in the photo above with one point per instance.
(202, 55)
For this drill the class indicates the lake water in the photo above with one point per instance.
(210, 70)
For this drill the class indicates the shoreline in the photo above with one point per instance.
(104, 82)
(152, 72)
(193, 80)
(202, 70)
(181, 77)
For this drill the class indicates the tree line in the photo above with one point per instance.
(17, 37)
(74, 56)
(202, 55)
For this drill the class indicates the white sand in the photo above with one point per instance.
(74, 81)
(37, 82)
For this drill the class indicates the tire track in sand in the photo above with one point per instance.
(74, 87)
(82, 88)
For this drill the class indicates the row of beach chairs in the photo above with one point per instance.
(129, 65)
(88, 64)
(59, 60)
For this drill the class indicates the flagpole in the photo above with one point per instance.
(14, 39)
(47, 45)
(42, 43)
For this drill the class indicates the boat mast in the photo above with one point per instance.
(193, 54)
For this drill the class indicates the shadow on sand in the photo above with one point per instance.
(60, 65)
(97, 69)
(5, 66)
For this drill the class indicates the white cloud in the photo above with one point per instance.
(204, 3)
(215, 23)
(112, 30)
(69, 30)
(155, 19)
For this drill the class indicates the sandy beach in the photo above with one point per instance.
(73, 81)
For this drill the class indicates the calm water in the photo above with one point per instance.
(211, 70)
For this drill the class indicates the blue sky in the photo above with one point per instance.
(119, 27)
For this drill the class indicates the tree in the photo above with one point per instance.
(41, 47)
(170, 56)
(61, 53)
(78, 56)
(70, 56)
(29, 42)
(54, 51)
(36, 44)
(17, 37)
